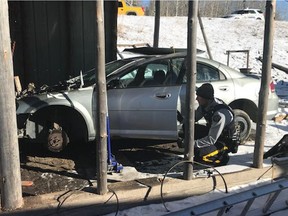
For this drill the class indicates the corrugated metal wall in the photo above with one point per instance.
(54, 39)
(45, 44)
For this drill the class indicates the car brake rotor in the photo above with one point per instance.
(57, 140)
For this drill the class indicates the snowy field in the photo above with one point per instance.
(223, 35)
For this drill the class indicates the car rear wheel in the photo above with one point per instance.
(243, 120)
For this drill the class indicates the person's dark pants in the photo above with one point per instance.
(215, 155)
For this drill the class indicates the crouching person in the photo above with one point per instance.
(219, 136)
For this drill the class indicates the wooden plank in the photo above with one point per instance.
(278, 66)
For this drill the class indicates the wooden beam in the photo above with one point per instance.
(265, 82)
(101, 114)
(10, 176)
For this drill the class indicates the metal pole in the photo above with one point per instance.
(101, 102)
(156, 24)
(265, 80)
(10, 175)
(190, 88)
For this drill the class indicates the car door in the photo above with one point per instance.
(140, 107)
(223, 85)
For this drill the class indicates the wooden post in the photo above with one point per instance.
(265, 81)
(101, 102)
(10, 176)
(190, 87)
(204, 35)
(156, 24)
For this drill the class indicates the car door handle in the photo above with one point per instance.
(224, 88)
(163, 95)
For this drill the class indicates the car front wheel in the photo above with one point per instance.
(57, 140)
(59, 128)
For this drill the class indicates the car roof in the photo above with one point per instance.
(147, 58)
(248, 9)
(158, 51)
(180, 53)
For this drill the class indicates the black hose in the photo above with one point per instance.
(192, 162)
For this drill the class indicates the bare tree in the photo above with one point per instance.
(207, 8)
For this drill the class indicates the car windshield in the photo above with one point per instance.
(89, 76)
(238, 12)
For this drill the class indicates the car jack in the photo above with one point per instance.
(113, 165)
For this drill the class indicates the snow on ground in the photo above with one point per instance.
(223, 35)
(277, 209)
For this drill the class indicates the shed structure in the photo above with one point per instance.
(55, 40)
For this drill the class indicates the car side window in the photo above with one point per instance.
(133, 77)
(175, 70)
(151, 74)
(162, 72)
(238, 12)
(206, 73)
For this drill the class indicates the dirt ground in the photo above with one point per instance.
(51, 172)
(75, 168)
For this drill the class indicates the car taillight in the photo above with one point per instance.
(272, 86)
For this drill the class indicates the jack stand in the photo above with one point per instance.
(113, 165)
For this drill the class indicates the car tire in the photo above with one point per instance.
(243, 120)
(180, 143)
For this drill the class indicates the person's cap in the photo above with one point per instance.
(205, 91)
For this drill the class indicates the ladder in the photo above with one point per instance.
(227, 202)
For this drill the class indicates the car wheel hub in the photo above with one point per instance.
(57, 140)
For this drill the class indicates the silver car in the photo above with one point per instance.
(146, 99)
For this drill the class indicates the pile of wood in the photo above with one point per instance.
(280, 117)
